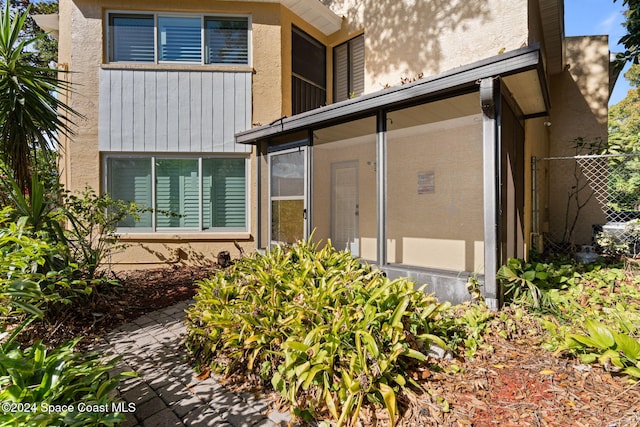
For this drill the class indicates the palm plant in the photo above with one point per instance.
(32, 118)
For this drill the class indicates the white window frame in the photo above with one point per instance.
(153, 157)
(156, 15)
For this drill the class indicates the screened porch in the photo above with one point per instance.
(423, 181)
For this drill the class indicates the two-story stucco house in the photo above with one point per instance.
(261, 121)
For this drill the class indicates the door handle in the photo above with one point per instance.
(304, 213)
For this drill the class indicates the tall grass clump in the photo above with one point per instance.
(326, 331)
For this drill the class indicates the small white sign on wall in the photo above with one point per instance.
(426, 182)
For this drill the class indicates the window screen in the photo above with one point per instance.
(348, 69)
(214, 200)
(187, 39)
(179, 39)
(130, 181)
(177, 193)
(224, 197)
(132, 38)
(226, 40)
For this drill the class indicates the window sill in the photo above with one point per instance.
(188, 236)
(177, 67)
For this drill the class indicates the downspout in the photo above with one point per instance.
(490, 104)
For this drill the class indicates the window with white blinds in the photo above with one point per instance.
(131, 38)
(194, 39)
(227, 40)
(225, 195)
(348, 69)
(179, 39)
(130, 180)
(197, 193)
(177, 193)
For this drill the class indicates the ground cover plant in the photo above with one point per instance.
(586, 310)
(326, 331)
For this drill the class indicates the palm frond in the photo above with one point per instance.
(32, 117)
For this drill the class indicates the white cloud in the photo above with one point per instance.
(610, 23)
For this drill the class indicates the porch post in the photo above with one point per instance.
(381, 169)
(490, 103)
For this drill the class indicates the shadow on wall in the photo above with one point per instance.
(168, 254)
(388, 20)
(589, 71)
(579, 98)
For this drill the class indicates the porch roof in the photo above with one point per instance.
(521, 70)
(312, 11)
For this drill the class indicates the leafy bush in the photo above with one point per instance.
(616, 351)
(326, 331)
(21, 258)
(528, 284)
(587, 311)
(57, 387)
(27, 279)
(34, 378)
(91, 219)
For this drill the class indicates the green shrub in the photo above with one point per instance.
(58, 387)
(326, 331)
(92, 219)
(21, 258)
(26, 278)
(34, 378)
(587, 311)
(528, 284)
(616, 351)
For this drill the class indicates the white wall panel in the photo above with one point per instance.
(173, 111)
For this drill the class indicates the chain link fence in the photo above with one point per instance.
(576, 199)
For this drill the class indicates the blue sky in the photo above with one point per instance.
(594, 17)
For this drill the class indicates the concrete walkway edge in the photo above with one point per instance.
(167, 392)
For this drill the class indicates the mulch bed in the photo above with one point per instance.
(509, 382)
(520, 384)
(140, 292)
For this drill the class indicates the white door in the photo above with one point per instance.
(345, 207)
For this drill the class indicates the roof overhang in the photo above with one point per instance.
(521, 70)
(615, 68)
(312, 11)
(552, 17)
(49, 24)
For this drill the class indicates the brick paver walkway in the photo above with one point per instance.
(166, 392)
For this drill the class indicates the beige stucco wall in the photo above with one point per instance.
(440, 228)
(579, 99)
(446, 34)
(362, 151)
(536, 145)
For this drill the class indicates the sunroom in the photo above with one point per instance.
(425, 180)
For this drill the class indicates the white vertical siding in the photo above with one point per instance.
(173, 111)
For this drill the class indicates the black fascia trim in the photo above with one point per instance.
(456, 80)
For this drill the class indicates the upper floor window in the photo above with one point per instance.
(348, 69)
(186, 39)
(308, 72)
